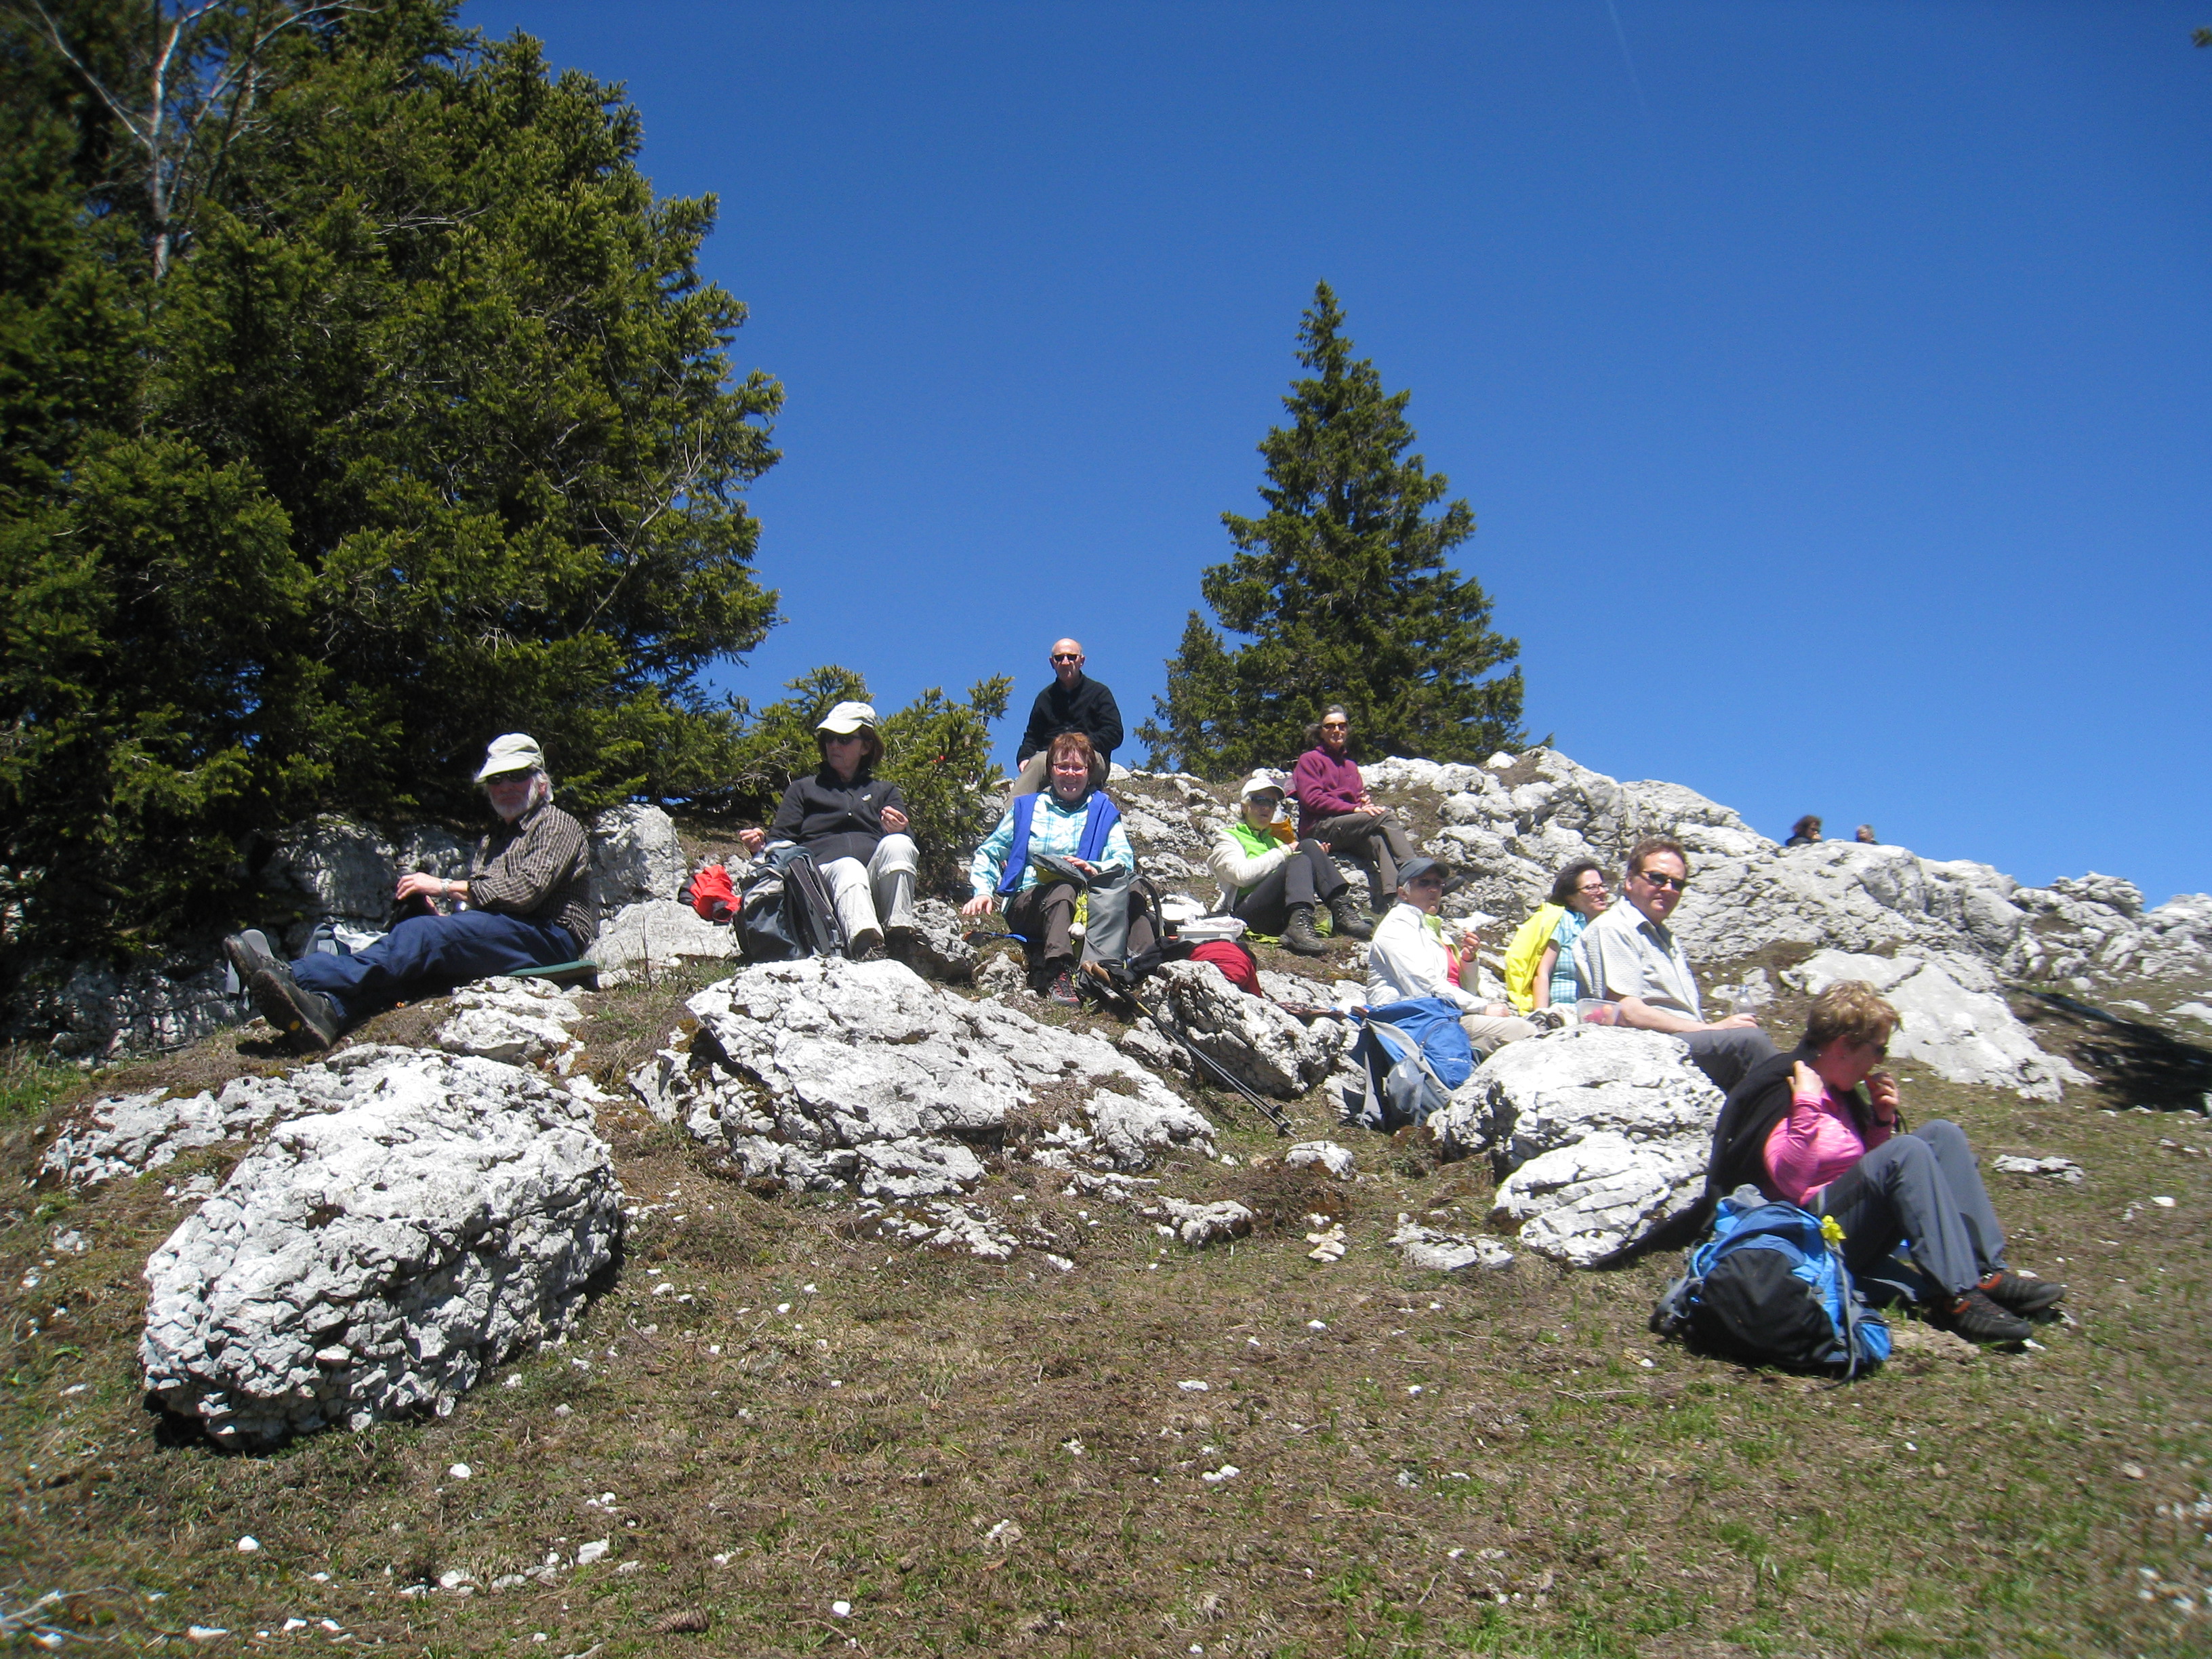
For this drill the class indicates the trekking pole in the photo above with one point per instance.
(1266, 1109)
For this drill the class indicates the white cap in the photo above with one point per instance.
(1261, 784)
(517, 752)
(847, 717)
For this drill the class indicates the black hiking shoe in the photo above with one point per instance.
(1299, 935)
(1978, 1318)
(2017, 1293)
(249, 955)
(308, 1017)
(1344, 916)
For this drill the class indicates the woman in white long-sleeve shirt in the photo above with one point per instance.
(1406, 959)
(1271, 882)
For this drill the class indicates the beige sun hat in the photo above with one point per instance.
(517, 752)
(847, 717)
(1261, 784)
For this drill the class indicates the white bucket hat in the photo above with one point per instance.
(1261, 784)
(847, 717)
(518, 751)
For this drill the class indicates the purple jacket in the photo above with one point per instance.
(1325, 788)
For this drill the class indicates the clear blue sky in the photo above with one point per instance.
(1833, 385)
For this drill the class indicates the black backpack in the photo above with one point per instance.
(786, 912)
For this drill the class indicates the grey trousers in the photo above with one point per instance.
(1377, 840)
(1924, 1187)
(1725, 1056)
(878, 894)
(1308, 876)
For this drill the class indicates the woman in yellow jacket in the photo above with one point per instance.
(1540, 965)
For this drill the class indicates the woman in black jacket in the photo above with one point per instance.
(853, 825)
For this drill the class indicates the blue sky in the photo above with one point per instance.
(1831, 385)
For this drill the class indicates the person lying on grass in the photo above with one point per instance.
(1819, 1128)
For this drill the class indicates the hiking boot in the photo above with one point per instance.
(1298, 934)
(249, 955)
(1978, 1318)
(1344, 916)
(1062, 991)
(1545, 1020)
(2018, 1293)
(308, 1017)
(898, 945)
(865, 947)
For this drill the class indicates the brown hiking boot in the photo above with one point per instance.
(1344, 916)
(1298, 934)
(2018, 1294)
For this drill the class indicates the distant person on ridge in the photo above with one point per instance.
(1865, 836)
(1272, 881)
(1072, 703)
(1335, 808)
(529, 894)
(1407, 959)
(1806, 832)
(1629, 956)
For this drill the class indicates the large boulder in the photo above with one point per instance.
(126, 1135)
(96, 1012)
(342, 870)
(1264, 1049)
(827, 1073)
(520, 1021)
(656, 933)
(635, 857)
(1952, 1019)
(1600, 1133)
(415, 1221)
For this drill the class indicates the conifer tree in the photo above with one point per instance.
(1343, 589)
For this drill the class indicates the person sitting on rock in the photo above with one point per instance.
(1819, 1128)
(1335, 808)
(1273, 881)
(529, 899)
(1629, 956)
(1407, 958)
(1806, 832)
(1075, 821)
(1581, 892)
(854, 826)
(1072, 703)
(1864, 835)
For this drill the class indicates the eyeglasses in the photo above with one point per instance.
(1589, 891)
(1336, 726)
(1678, 883)
(1067, 656)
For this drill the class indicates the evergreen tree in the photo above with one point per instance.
(364, 405)
(1343, 589)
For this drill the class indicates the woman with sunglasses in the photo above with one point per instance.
(1335, 808)
(1581, 891)
(1819, 1128)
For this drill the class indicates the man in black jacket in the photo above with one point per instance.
(1072, 702)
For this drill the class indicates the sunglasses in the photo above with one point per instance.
(1065, 656)
(1336, 726)
(1678, 883)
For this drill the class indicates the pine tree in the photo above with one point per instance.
(1343, 589)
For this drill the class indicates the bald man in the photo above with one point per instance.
(1072, 703)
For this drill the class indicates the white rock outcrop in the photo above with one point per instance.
(1432, 1250)
(635, 857)
(417, 1219)
(827, 1073)
(1263, 1047)
(1953, 1019)
(126, 1135)
(520, 1021)
(1600, 1133)
(656, 933)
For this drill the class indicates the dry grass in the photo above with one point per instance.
(1501, 1463)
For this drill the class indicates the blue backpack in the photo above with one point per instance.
(1767, 1286)
(1413, 1054)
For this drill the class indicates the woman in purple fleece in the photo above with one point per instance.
(1335, 808)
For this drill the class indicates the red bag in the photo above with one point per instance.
(711, 894)
(1237, 965)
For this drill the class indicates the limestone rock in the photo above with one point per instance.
(520, 1021)
(97, 1013)
(2055, 1169)
(1433, 1251)
(420, 1218)
(1265, 1049)
(1601, 1134)
(1953, 1019)
(940, 952)
(658, 932)
(340, 870)
(635, 857)
(124, 1135)
(1002, 973)
(1200, 1225)
(1337, 1160)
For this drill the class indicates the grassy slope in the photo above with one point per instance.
(863, 1447)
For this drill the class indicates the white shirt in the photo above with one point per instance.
(1406, 959)
(1624, 953)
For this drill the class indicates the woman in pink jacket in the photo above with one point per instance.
(1335, 808)
(1819, 1128)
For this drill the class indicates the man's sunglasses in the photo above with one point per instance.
(1678, 883)
(1065, 656)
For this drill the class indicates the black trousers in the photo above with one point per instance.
(1308, 876)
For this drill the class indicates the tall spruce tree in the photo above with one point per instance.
(1343, 589)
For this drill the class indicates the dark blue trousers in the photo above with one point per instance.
(425, 955)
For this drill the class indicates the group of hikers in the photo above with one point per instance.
(1818, 1126)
